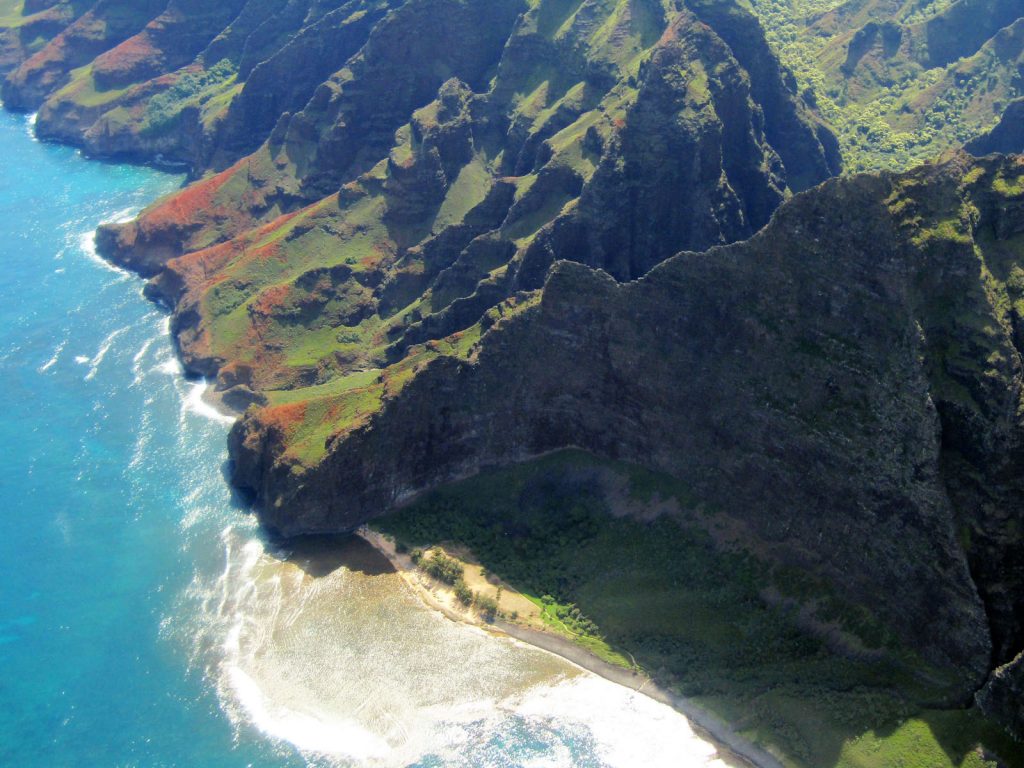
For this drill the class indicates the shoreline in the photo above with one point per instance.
(733, 748)
(211, 395)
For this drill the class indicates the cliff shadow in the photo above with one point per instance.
(320, 556)
(240, 499)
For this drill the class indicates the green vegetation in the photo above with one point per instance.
(450, 571)
(193, 88)
(443, 568)
(82, 89)
(894, 112)
(809, 676)
(487, 606)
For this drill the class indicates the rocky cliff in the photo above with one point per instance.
(1006, 136)
(846, 386)
(424, 185)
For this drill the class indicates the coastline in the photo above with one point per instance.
(734, 749)
(214, 398)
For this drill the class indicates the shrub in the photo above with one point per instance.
(190, 87)
(463, 592)
(487, 605)
(443, 568)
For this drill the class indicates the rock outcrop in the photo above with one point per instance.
(1007, 136)
(1002, 698)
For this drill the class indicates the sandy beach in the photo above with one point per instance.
(735, 750)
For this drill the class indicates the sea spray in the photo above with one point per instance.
(326, 649)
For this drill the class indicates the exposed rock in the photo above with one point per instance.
(1007, 136)
(1002, 698)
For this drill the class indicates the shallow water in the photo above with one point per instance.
(143, 618)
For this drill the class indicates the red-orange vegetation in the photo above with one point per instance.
(128, 55)
(182, 209)
(284, 417)
(270, 300)
(203, 268)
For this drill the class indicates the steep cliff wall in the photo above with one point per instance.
(847, 385)
(1006, 136)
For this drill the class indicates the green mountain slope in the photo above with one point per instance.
(901, 82)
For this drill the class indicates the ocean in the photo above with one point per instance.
(144, 618)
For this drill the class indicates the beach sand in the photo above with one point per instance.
(735, 750)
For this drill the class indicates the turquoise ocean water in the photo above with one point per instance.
(143, 619)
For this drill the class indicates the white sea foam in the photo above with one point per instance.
(63, 524)
(123, 215)
(170, 366)
(30, 125)
(53, 360)
(351, 668)
(630, 728)
(87, 244)
(137, 361)
(142, 440)
(306, 731)
(194, 403)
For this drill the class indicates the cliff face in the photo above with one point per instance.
(40, 21)
(101, 28)
(1002, 698)
(171, 77)
(846, 385)
(414, 225)
(1006, 136)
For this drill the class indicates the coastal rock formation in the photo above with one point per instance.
(846, 386)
